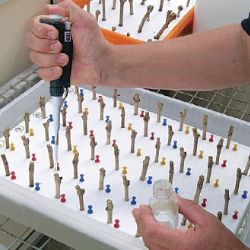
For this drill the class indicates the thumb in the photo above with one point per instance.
(66, 8)
(192, 211)
(144, 216)
(154, 233)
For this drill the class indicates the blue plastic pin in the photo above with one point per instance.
(175, 145)
(65, 104)
(90, 209)
(176, 189)
(81, 178)
(149, 181)
(164, 122)
(108, 190)
(37, 186)
(53, 139)
(81, 92)
(188, 171)
(133, 201)
(107, 118)
(51, 118)
(244, 195)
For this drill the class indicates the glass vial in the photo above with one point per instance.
(164, 203)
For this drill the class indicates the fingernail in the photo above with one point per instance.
(54, 46)
(55, 71)
(61, 59)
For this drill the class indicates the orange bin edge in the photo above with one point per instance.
(120, 39)
(81, 3)
(186, 21)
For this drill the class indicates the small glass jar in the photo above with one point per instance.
(164, 203)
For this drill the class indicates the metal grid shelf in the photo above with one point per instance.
(14, 236)
(232, 101)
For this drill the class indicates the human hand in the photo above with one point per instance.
(90, 47)
(208, 232)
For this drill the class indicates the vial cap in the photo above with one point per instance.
(162, 189)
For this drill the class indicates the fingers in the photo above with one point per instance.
(42, 40)
(42, 45)
(193, 212)
(66, 9)
(42, 37)
(42, 30)
(50, 74)
(146, 222)
(145, 211)
(154, 233)
(48, 60)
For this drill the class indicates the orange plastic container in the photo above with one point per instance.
(116, 38)
(81, 3)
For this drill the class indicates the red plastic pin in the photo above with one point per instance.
(97, 158)
(63, 199)
(235, 215)
(33, 157)
(70, 125)
(142, 113)
(204, 202)
(117, 223)
(152, 136)
(224, 164)
(211, 139)
(13, 175)
(91, 133)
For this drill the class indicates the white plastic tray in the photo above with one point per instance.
(54, 220)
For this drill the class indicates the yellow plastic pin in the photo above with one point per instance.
(138, 152)
(124, 170)
(86, 110)
(235, 147)
(130, 126)
(75, 151)
(120, 105)
(31, 132)
(201, 155)
(12, 147)
(216, 184)
(163, 161)
(187, 130)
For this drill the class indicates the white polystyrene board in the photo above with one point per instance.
(217, 122)
(131, 22)
(53, 220)
(149, 101)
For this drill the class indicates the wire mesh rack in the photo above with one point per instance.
(14, 236)
(234, 102)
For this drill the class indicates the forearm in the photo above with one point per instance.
(216, 59)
